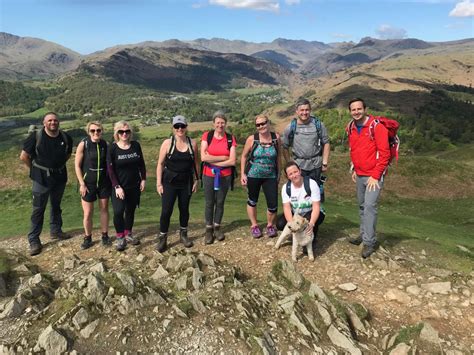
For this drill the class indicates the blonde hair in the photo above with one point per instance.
(262, 116)
(95, 123)
(118, 126)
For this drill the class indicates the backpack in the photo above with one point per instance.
(317, 123)
(190, 147)
(307, 188)
(392, 128)
(38, 131)
(256, 143)
(230, 139)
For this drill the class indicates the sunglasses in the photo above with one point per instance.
(179, 125)
(98, 130)
(124, 131)
(261, 124)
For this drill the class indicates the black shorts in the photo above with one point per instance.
(102, 192)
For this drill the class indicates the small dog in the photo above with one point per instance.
(297, 228)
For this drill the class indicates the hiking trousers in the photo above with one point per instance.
(41, 194)
(170, 194)
(214, 210)
(367, 209)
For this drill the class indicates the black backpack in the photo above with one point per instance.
(307, 188)
(256, 143)
(230, 139)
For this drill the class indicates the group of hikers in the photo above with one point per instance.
(118, 171)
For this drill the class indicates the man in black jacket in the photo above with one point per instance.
(46, 152)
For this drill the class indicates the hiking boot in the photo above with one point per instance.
(132, 240)
(256, 232)
(106, 241)
(60, 236)
(218, 233)
(35, 248)
(368, 251)
(271, 232)
(121, 244)
(183, 236)
(355, 241)
(209, 237)
(87, 242)
(161, 245)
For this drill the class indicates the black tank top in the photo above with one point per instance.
(179, 168)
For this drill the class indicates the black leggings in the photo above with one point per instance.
(270, 189)
(168, 199)
(124, 210)
(281, 222)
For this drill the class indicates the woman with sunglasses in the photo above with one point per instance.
(260, 168)
(126, 168)
(176, 178)
(90, 166)
(218, 156)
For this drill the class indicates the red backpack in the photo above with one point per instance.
(392, 127)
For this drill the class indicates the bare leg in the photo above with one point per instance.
(252, 213)
(88, 208)
(104, 214)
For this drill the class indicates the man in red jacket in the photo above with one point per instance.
(370, 156)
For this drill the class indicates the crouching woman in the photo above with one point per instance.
(302, 194)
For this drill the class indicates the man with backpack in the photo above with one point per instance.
(309, 140)
(370, 157)
(46, 152)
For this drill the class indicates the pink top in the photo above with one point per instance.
(216, 148)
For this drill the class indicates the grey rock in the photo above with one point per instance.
(463, 249)
(299, 324)
(36, 280)
(140, 258)
(25, 270)
(181, 282)
(98, 267)
(437, 287)
(160, 273)
(80, 318)
(400, 349)
(206, 259)
(89, 329)
(441, 272)
(343, 341)
(380, 263)
(52, 341)
(316, 291)
(289, 272)
(393, 265)
(127, 281)
(413, 290)
(197, 278)
(356, 321)
(429, 334)
(348, 287)
(289, 302)
(3, 287)
(397, 295)
(197, 304)
(179, 312)
(71, 262)
(179, 262)
(96, 290)
(325, 315)
(14, 308)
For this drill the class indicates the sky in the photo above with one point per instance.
(86, 26)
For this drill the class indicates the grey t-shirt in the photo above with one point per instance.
(307, 147)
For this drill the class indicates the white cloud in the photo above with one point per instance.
(389, 32)
(292, 2)
(264, 5)
(463, 9)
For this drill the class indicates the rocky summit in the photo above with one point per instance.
(192, 301)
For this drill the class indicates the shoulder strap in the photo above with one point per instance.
(172, 146)
(65, 140)
(291, 135)
(229, 138)
(307, 186)
(210, 134)
(39, 135)
(317, 123)
(190, 146)
(288, 188)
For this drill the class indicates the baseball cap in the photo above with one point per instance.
(179, 119)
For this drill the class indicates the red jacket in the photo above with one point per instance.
(370, 155)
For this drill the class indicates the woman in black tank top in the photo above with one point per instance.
(176, 178)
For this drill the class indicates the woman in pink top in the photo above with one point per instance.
(218, 155)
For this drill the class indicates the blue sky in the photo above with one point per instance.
(90, 25)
